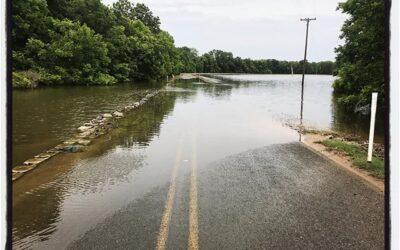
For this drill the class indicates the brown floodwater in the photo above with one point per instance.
(44, 117)
(59, 201)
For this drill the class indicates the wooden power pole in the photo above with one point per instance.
(304, 66)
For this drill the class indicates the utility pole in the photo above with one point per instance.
(304, 66)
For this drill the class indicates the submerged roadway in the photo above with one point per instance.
(202, 166)
(276, 197)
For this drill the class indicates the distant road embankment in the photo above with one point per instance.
(199, 76)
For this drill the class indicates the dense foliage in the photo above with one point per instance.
(87, 42)
(360, 60)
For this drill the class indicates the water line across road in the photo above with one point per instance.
(200, 166)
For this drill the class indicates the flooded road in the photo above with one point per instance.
(44, 117)
(321, 110)
(117, 193)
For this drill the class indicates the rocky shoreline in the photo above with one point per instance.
(90, 130)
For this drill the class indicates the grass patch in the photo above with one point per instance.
(358, 156)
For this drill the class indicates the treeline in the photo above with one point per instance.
(360, 59)
(217, 61)
(86, 42)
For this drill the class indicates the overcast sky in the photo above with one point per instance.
(252, 28)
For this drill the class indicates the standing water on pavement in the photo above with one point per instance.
(67, 196)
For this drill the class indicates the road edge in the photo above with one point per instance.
(309, 141)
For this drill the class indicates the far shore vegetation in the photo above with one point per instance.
(84, 42)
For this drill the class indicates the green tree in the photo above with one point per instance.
(123, 67)
(188, 60)
(93, 13)
(143, 13)
(123, 9)
(360, 60)
(29, 20)
(74, 55)
(209, 63)
(145, 50)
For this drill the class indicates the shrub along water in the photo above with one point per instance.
(360, 60)
(25, 79)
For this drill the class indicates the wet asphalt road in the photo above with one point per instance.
(276, 197)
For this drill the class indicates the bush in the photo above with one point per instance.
(360, 60)
(25, 79)
(105, 79)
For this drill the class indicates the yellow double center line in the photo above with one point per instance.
(193, 241)
(164, 227)
(193, 221)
